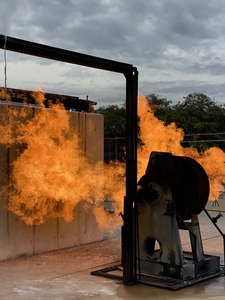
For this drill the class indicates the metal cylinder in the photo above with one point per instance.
(185, 177)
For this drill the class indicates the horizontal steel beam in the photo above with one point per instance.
(40, 50)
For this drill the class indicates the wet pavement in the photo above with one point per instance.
(65, 274)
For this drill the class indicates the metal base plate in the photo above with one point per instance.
(116, 272)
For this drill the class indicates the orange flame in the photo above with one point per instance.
(51, 175)
(158, 137)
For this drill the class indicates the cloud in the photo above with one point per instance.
(168, 41)
(8, 10)
(176, 90)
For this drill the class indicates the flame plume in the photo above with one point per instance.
(158, 137)
(51, 174)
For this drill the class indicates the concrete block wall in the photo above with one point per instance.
(17, 238)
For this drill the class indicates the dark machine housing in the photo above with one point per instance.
(171, 194)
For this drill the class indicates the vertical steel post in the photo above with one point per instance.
(131, 173)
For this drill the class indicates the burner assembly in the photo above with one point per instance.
(174, 191)
(171, 194)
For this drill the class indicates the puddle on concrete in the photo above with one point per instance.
(209, 290)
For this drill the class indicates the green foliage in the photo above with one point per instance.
(197, 113)
(161, 106)
(114, 120)
(205, 110)
(114, 126)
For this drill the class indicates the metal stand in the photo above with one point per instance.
(174, 190)
(204, 266)
(214, 220)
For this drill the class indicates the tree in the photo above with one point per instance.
(204, 108)
(161, 106)
(114, 120)
(198, 113)
(114, 126)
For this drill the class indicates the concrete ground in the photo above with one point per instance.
(65, 274)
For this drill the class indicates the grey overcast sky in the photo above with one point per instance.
(178, 46)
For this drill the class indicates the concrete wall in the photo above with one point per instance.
(17, 238)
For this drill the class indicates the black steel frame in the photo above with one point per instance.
(220, 231)
(131, 74)
(115, 272)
